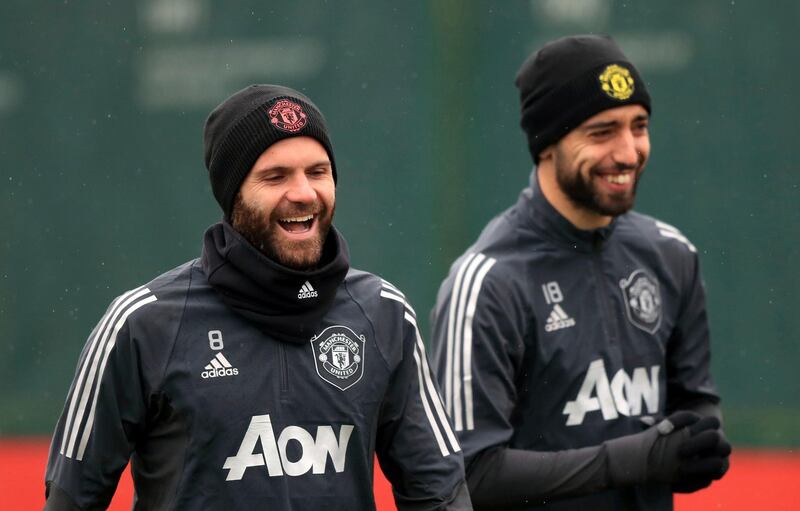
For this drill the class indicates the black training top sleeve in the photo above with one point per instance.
(416, 446)
(502, 477)
(689, 351)
(479, 325)
(104, 413)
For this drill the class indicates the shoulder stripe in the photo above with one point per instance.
(452, 372)
(87, 429)
(451, 321)
(427, 391)
(473, 299)
(670, 231)
(665, 226)
(680, 237)
(110, 315)
(458, 365)
(91, 372)
(388, 285)
(428, 394)
(397, 298)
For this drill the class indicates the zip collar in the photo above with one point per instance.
(551, 224)
(284, 303)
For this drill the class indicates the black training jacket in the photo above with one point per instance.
(183, 377)
(549, 338)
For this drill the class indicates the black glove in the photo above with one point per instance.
(704, 458)
(684, 450)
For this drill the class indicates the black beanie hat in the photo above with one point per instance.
(571, 79)
(243, 126)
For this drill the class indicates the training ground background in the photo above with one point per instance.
(102, 184)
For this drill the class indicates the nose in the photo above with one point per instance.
(625, 151)
(300, 189)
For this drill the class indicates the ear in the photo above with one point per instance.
(546, 153)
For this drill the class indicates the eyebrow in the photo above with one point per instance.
(284, 168)
(600, 125)
(610, 124)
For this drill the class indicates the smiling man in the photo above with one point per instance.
(266, 374)
(289, 191)
(571, 339)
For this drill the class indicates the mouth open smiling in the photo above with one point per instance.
(617, 182)
(618, 178)
(297, 224)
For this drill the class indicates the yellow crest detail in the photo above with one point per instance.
(617, 82)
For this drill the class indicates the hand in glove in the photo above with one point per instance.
(704, 459)
(684, 450)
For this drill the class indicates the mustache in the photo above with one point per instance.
(620, 167)
(311, 209)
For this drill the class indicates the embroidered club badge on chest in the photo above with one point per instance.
(339, 356)
(642, 298)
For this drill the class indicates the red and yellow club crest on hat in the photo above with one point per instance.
(617, 82)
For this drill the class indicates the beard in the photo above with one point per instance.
(586, 195)
(261, 229)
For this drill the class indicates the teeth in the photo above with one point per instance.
(618, 178)
(298, 219)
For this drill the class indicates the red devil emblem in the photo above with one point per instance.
(287, 116)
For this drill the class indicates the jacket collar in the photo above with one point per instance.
(548, 222)
(286, 304)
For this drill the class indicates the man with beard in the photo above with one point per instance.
(266, 374)
(571, 339)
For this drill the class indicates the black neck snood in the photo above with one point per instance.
(274, 297)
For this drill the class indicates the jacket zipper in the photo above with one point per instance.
(284, 386)
(608, 321)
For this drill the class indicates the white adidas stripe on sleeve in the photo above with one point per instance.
(451, 322)
(665, 226)
(458, 342)
(669, 231)
(90, 422)
(471, 304)
(429, 397)
(87, 384)
(424, 374)
(86, 376)
(680, 237)
(388, 285)
(458, 364)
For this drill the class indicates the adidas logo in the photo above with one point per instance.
(306, 291)
(558, 319)
(219, 367)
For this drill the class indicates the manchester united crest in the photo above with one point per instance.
(287, 116)
(617, 82)
(339, 356)
(642, 300)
